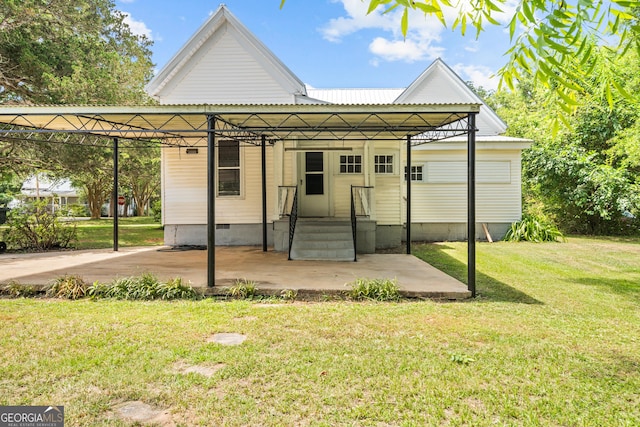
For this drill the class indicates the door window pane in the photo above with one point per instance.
(315, 183)
(313, 162)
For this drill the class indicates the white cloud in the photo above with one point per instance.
(137, 27)
(391, 46)
(404, 50)
(478, 74)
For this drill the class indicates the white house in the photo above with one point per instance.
(224, 63)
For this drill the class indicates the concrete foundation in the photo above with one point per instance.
(388, 236)
(371, 236)
(452, 232)
(226, 234)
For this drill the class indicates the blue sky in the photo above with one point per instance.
(329, 43)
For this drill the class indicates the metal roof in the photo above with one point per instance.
(355, 96)
(188, 124)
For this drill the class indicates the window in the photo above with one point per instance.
(384, 164)
(228, 168)
(416, 173)
(351, 164)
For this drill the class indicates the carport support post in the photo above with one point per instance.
(408, 194)
(471, 204)
(263, 149)
(114, 197)
(211, 201)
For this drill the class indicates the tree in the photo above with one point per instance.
(552, 42)
(587, 175)
(61, 52)
(141, 173)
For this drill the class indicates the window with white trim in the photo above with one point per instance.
(383, 164)
(417, 173)
(228, 168)
(351, 163)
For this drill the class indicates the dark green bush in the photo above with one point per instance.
(156, 209)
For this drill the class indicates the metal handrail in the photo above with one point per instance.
(354, 226)
(361, 208)
(285, 199)
(293, 218)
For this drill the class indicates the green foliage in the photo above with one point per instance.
(140, 172)
(583, 194)
(34, 227)
(77, 210)
(558, 44)
(69, 287)
(243, 289)
(533, 229)
(288, 294)
(462, 359)
(18, 290)
(143, 287)
(9, 187)
(176, 289)
(156, 208)
(374, 290)
(71, 52)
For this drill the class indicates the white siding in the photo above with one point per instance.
(487, 172)
(388, 200)
(441, 87)
(447, 202)
(185, 189)
(387, 187)
(225, 70)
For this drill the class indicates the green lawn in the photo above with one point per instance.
(136, 231)
(552, 340)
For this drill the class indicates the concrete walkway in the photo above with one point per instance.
(271, 270)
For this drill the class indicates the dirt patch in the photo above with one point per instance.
(205, 370)
(143, 413)
(227, 338)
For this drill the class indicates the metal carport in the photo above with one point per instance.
(201, 125)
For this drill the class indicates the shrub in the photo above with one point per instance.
(69, 287)
(533, 229)
(156, 208)
(78, 210)
(34, 227)
(144, 287)
(374, 290)
(176, 289)
(243, 289)
(18, 290)
(288, 294)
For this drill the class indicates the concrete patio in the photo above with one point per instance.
(271, 271)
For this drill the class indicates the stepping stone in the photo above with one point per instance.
(141, 412)
(227, 339)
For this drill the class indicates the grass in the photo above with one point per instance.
(552, 339)
(136, 231)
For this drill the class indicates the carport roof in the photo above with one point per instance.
(189, 124)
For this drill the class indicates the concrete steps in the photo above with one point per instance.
(323, 239)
